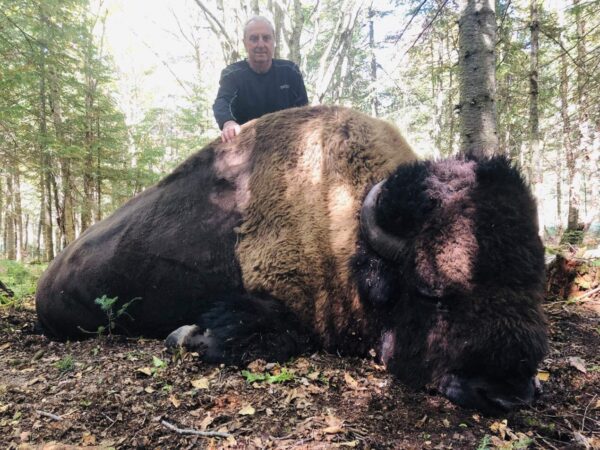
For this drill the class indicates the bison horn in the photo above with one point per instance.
(385, 244)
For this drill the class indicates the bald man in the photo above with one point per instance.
(257, 85)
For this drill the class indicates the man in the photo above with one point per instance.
(259, 85)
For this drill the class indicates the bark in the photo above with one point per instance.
(569, 153)
(374, 96)
(336, 50)
(477, 37)
(9, 220)
(18, 215)
(537, 178)
(45, 163)
(579, 147)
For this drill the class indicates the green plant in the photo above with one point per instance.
(66, 364)
(21, 279)
(107, 305)
(281, 377)
(485, 443)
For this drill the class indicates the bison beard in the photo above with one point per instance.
(286, 241)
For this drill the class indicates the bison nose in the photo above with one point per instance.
(491, 397)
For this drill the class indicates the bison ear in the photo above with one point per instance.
(404, 202)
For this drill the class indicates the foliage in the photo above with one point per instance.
(66, 364)
(107, 305)
(20, 278)
(280, 377)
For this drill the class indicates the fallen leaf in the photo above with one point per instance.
(257, 366)
(206, 422)
(5, 346)
(350, 381)
(145, 370)
(175, 401)
(335, 425)
(446, 423)
(421, 422)
(269, 412)
(149, 390)
(247, 410)
(200, 383)
(313, 375)
(543, 375)
(578, 363)
(500, 428)
(88, 439)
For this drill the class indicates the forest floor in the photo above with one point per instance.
(113, 392)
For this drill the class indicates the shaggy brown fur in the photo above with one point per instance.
(301, 223)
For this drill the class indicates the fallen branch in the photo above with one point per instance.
(195, 432)
(47, 414)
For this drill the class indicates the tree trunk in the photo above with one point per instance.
(18, 214)
(537, 178)
(374, 96)
(9, 220)
(67, 222)
(45, 162)
(477, 38)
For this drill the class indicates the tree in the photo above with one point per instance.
(477, 38)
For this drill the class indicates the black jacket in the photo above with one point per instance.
(245, 95)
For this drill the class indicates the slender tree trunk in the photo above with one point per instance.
(45, 163)
(374, 96)
(18, 214)
(9, 220)
(67, 222)
(477, 38)
(537, 178)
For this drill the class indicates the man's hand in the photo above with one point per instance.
(230, 130)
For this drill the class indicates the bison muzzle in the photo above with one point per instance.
(319, 229)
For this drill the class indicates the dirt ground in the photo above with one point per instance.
(112, 392)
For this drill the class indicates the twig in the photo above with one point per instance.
(47, 414)
(587, 294)
(585, 412)
(546, 442)
(195, 432)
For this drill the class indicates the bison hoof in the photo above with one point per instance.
(188, 336)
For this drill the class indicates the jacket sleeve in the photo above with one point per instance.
(299, 88)
(223, 107)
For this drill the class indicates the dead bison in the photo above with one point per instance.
(289, 240)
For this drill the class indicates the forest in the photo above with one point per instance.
(101, 99)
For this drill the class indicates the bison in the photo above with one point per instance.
(318, 228)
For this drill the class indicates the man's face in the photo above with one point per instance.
(260, 43)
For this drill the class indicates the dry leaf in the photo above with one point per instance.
(543, 375)
(176, 402)
(350, 381)
(145, 370)
(257, 366)
(421, 422)
(446, 423)
(88, 439)
(149, 390)
(247, 410)
(200, 383)
(313, 375)
(578, 363)
(334, 425)
(269, 412)
(5, 346)
(500, 428)
(206, 422)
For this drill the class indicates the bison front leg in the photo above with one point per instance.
(242, 328)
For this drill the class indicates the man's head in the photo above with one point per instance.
(259, 40)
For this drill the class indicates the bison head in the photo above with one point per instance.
(456, 270)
